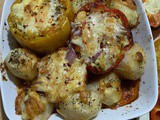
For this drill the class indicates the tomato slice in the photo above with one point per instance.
(97, 6)
(112, 34)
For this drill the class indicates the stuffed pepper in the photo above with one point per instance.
(100, 36)
(41, 25)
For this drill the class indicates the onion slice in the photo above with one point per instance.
(71, 55)
(94, 58)
(77, 32)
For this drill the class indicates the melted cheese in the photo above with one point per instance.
(35, 17)
(133, 63)
(58, 79)
(101, 29)
(35, 107)
(74, 109)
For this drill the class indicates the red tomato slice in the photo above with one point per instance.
(98, 7)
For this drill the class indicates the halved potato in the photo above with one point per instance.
(74, 109)
(133, 65)
(33, 106)
(77, 4)
(128, 8)
(22, 63)
(109, 89)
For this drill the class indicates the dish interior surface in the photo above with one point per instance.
(148, 93)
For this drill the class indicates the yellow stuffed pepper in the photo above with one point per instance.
(41, 25)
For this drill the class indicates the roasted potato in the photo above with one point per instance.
(22, 63)
(111, 85)
(100, 37)
(128, 8)
(57, 78)
(33, 106)
(133, 65)
(109, 89)
(77, 4)
(74, 109)
(38, 25)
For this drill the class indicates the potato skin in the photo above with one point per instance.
(77, 4)
(128, 8)
(33, 106)
(112, 89)
(109, 89)
(51, 39)
(74, 109)
(133, 65)
(22, 63)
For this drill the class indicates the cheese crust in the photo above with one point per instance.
(57, 79)
(100, 33)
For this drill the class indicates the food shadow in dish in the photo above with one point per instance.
(12, 42)
(12, 78)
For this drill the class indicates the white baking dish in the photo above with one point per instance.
(149, 85)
